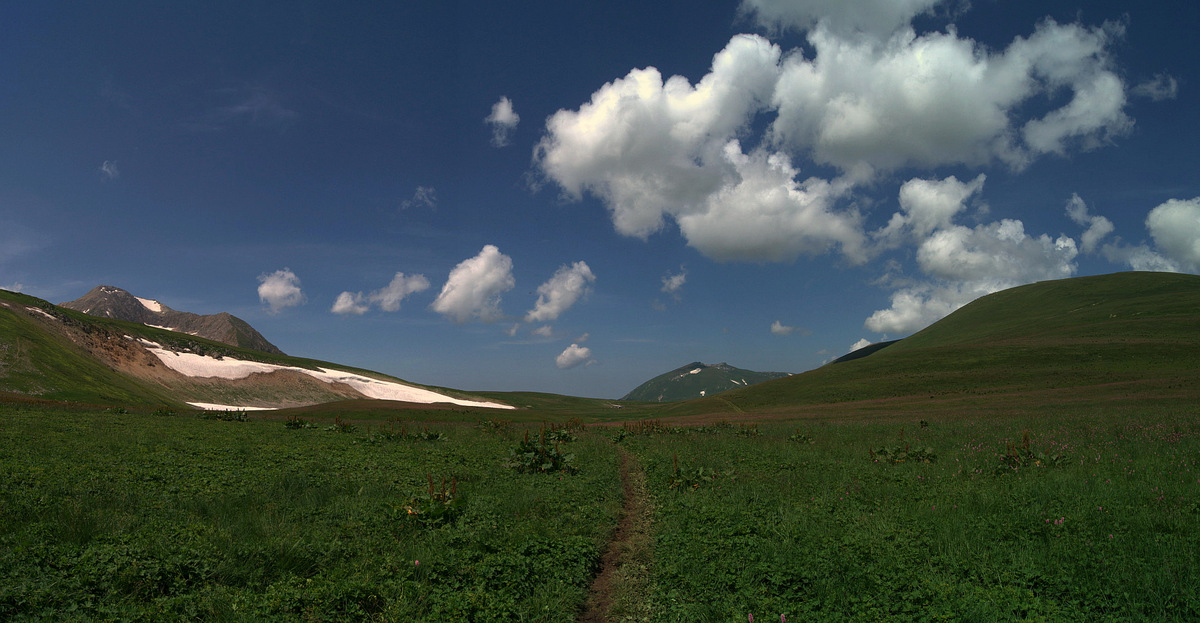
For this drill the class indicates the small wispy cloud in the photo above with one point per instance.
(503, 121)
(109, 170)
(387, 298)
(673, 284)
(1097, 226)
(778, 328)
(860, 344)
(423, 197)
(1159, 88)
(255, 106)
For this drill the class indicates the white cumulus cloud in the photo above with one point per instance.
(474, 287)
(959, 263)
(280, 290)
(564, 289)
(867, 96)
(574, 355)
(1175, 227)
(939, 99)
(872, 17)
(503, 121)
(351, 303)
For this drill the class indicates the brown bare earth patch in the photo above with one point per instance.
(618, 593)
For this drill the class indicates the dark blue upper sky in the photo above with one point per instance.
(520, 196)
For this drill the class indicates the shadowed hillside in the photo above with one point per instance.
(1124, 328)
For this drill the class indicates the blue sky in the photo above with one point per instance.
(576, 197)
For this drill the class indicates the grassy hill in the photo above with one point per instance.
(697, 379)
(39, 363)
(1125, 332)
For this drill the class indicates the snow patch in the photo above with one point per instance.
(703, 392)
(42, 312)
(193, 365)
(172, 329)
(150, 304)
(696, 371)
(208, 406)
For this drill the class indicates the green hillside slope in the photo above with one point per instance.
(45, 364)
(1072, 333)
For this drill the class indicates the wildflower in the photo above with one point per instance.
(416, 563)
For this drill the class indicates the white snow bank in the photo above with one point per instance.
(42, 312)
(150, 304)
(696, 371)
(156, 326)
(191, 364)
(208, 406)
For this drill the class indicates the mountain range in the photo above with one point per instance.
(113, 302)
(1104, 341)
(697, 380)
(51, 352)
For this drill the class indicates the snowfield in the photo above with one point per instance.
(150, 304)
(193, 365)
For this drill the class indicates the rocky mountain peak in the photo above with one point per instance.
(113, 302)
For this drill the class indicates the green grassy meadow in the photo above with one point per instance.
(141, 517)
(120, 516)
(1096, 521)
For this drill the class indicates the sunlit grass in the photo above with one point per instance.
(138, 516)
(822, 531)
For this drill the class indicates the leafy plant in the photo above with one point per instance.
(392, 434)
(560, 435)
(690, 479)
(440, 508)
(1021, 455)
(800, 437)
(296, 422)
(341, 427)
(538, 456)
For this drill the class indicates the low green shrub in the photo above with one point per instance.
(530, 456)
